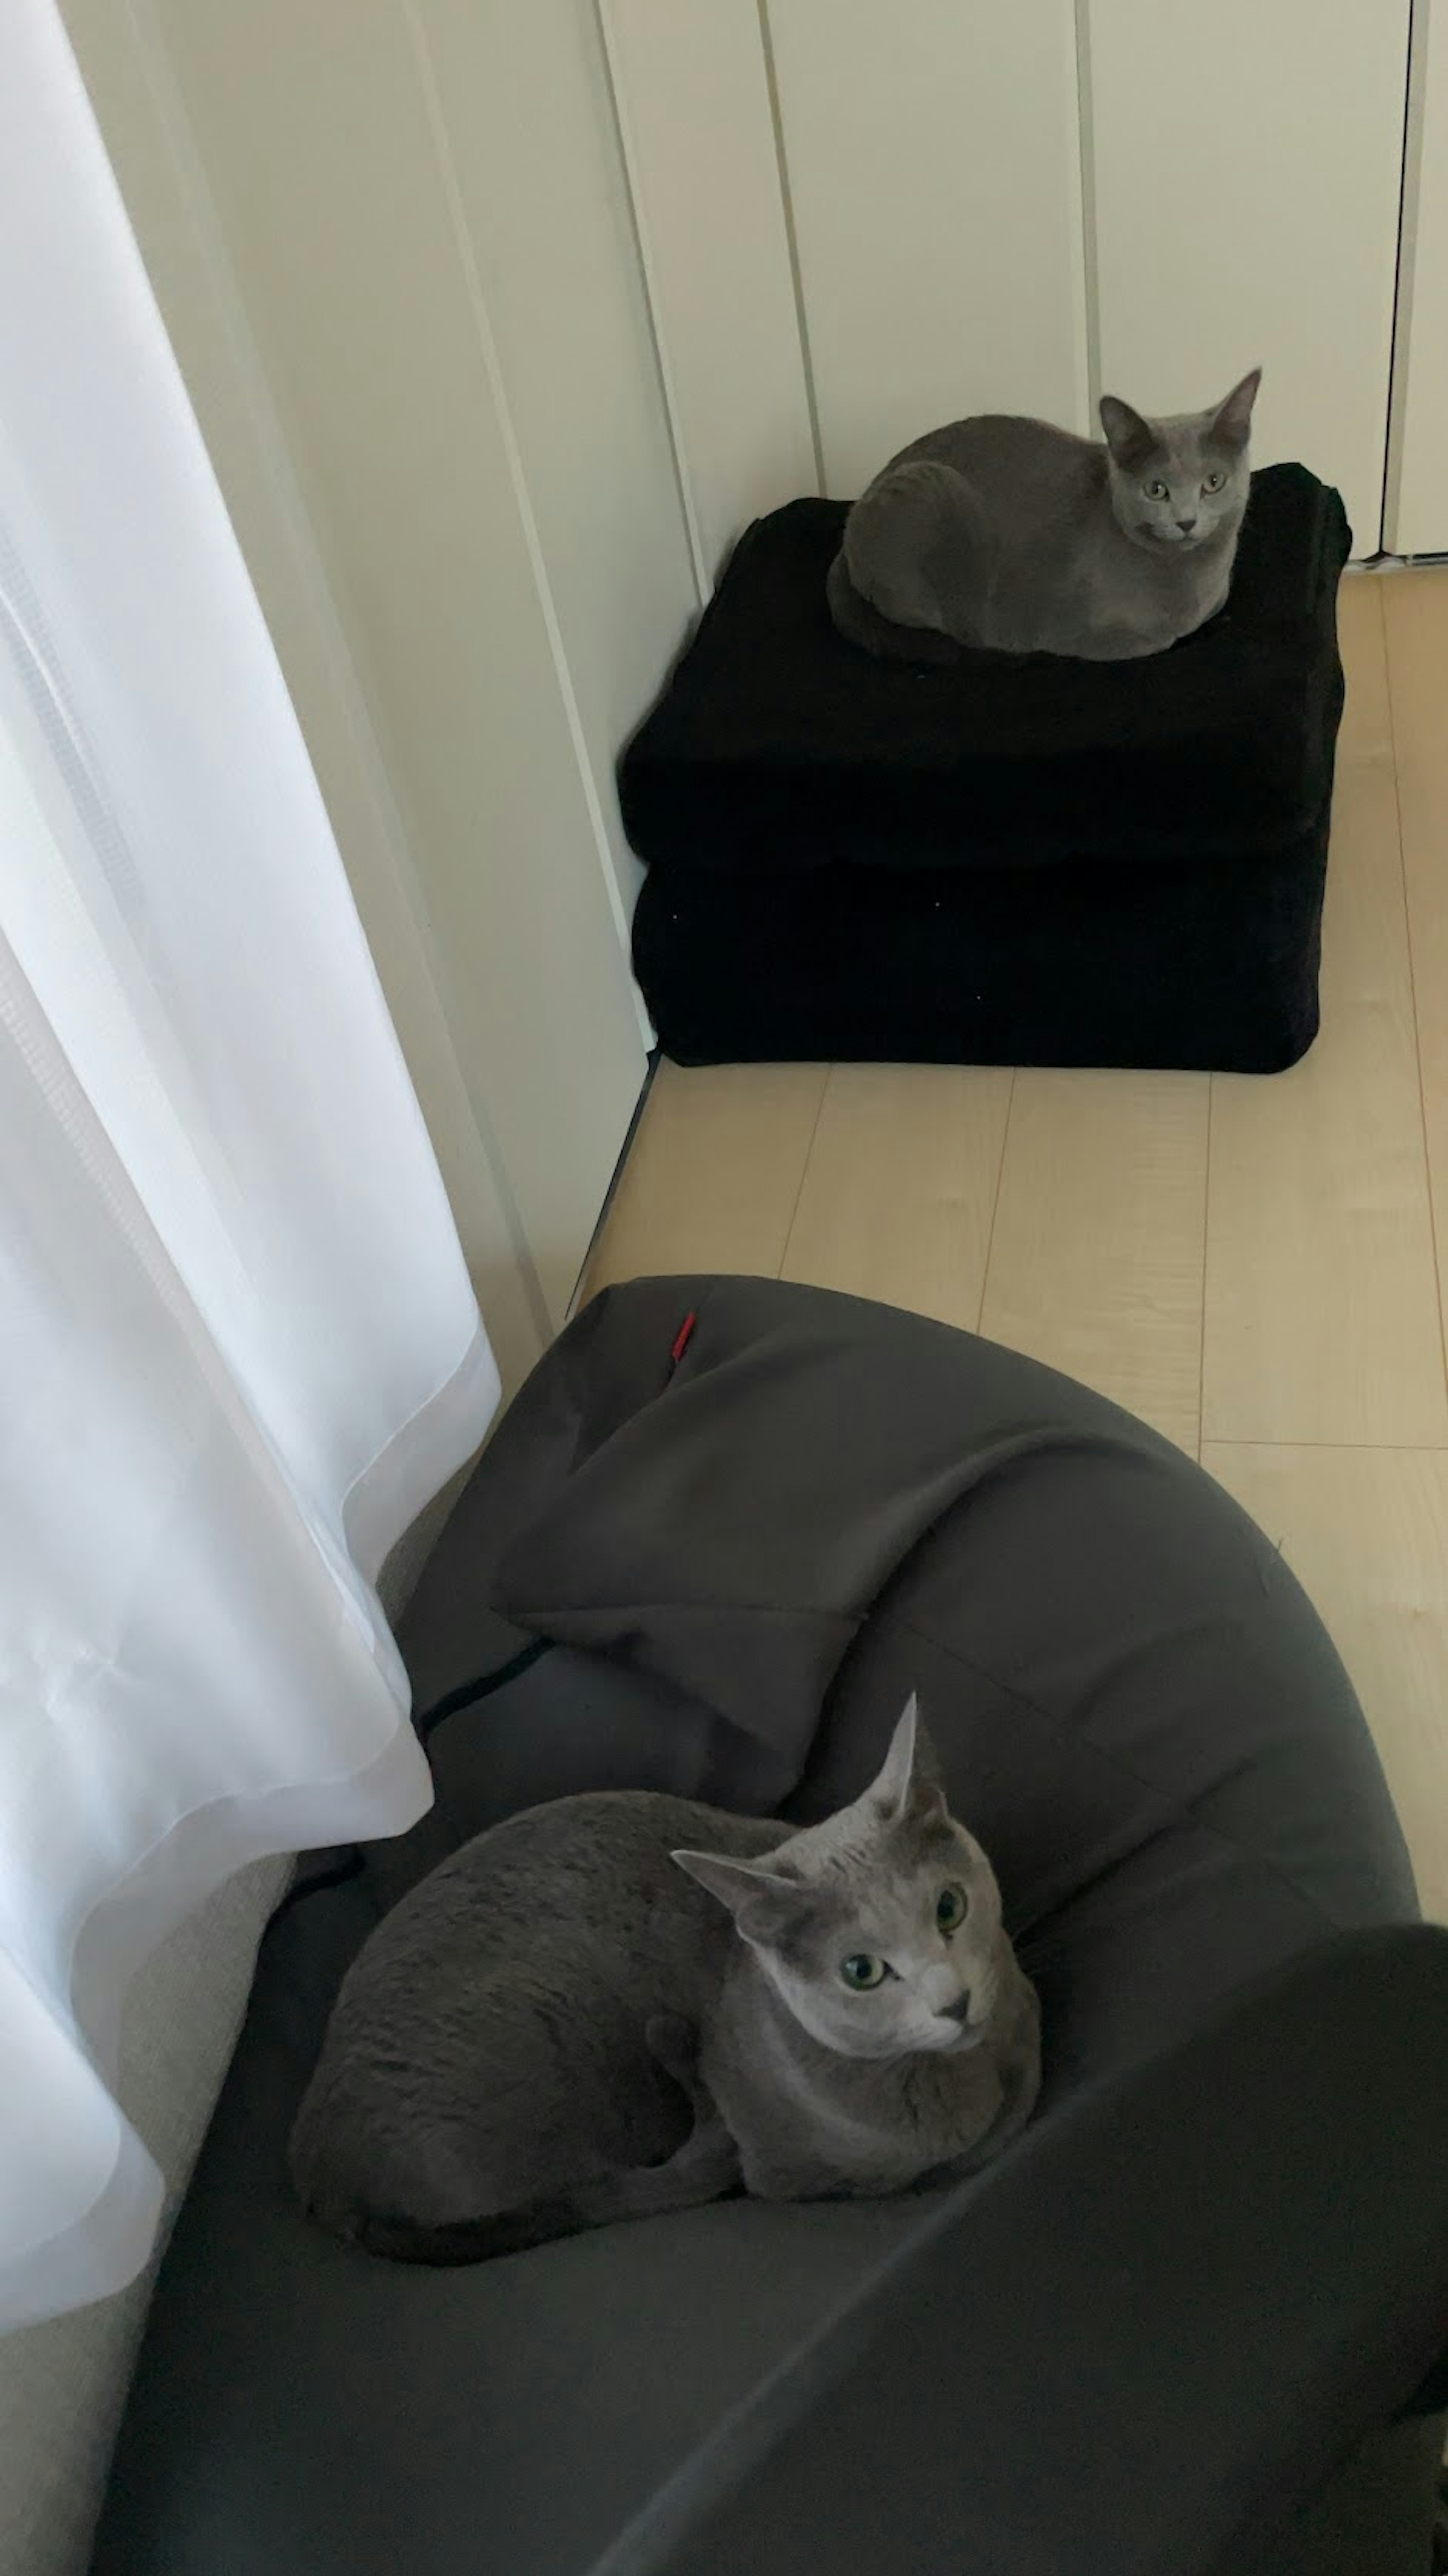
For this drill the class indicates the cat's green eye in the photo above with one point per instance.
(862, 1971)
(1158, 492)
(1214, 482)
(950, 1908)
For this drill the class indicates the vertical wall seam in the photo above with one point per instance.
(653, 300)
(1086, 153)
(1400, 351)
(791, 236)
(517, 476)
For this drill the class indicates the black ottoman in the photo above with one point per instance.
(1005, 860)
(1185, 2328)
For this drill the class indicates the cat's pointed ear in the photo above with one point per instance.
(758, 1897)
(894, 1786)
(1130, 438)
(1232, 419)
(909, 1780)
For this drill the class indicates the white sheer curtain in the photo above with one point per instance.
(238, 1348)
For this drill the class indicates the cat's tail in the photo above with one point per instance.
(860, 623)
(467, 2240)
(334, 2196)
(704, 2168)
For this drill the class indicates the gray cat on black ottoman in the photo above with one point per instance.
(1020, 537)
(560, 2026)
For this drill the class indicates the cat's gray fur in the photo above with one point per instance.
(1020, 537)
(582, 2016)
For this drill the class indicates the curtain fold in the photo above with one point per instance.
(238, 1345)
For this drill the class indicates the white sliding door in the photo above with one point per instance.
(932, 160)
(866, 221)
(1246, 166)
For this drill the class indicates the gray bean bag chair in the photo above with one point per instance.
(1191, 2324)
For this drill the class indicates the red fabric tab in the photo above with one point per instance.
(684, 1336)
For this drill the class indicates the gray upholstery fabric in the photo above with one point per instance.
(750, 1562)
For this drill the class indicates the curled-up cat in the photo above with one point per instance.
(624, 2003)
(1025, 539)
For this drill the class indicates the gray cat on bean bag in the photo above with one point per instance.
(624, 2003)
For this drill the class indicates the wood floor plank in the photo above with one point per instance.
(1415, 607)
(713, 1174)
(900, 1186)
(1096, 1260)
(1366, 1532)
(1322, 1317)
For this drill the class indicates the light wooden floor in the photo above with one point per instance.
(1250, 1264)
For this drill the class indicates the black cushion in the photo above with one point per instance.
(753, 1558)
(1210, 965)
(1007, 861)
(777, 745)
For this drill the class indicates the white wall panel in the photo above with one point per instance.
(522, 97)
(167, 197)
(1247, 160)
(692, 88)
(318, 136)
(932, 154)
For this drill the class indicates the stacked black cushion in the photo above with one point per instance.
(1003, 860)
